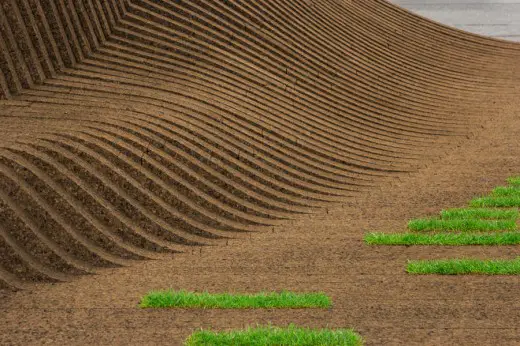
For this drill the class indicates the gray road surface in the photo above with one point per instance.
(496, 18)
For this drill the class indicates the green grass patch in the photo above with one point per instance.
(464, 225)
(480, 213)
(291, 335)
(184, 299)
(446, 239)
(503, 191)
(465, 266)
(514, 180)
(496, 201)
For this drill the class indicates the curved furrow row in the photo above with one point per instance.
(465, 41)
(293, 145)
(136, 127)
(297, 86)
(353, 139)
(81, 156)
(306, 26)
(263, 131)
(225, 48)
(249, 100)
(182, 71)
(447, 64)
(136, 167)
(234, 101)
(355, 65)
(121, 217)
(59, 188)
(58, 224)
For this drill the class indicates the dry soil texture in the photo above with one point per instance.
(244, 146)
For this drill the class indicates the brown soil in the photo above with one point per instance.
(279, 131)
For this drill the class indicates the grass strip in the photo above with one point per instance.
(479, 213)
(496, 201)
(185, 299)
(465, 266)
(464, 225)
(514, 180)
(260, 336)
(503, 191)
(447, 239)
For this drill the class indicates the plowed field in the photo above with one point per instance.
(244, 146)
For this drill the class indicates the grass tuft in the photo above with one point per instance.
(184, 299)
(465, 266)
(464, 225)
(480, 213)
(446, 239)
(503, 191)
(514, 180)
(496, 201)
(292, 335)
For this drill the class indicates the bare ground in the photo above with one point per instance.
(244, 146)
(321, 252)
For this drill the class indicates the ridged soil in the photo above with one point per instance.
(131, 127)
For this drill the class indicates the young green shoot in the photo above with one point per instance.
(444, 239)
(260, 336)
(463, 225)
(185, 299)
(503, 191)
(465, 267)
(514, 181)
(480, 213)
(496, 202)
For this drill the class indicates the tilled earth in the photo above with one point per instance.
(244, 146)
(320, 252)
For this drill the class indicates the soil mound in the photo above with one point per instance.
(131, 127)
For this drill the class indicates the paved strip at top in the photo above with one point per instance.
(495, 18)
